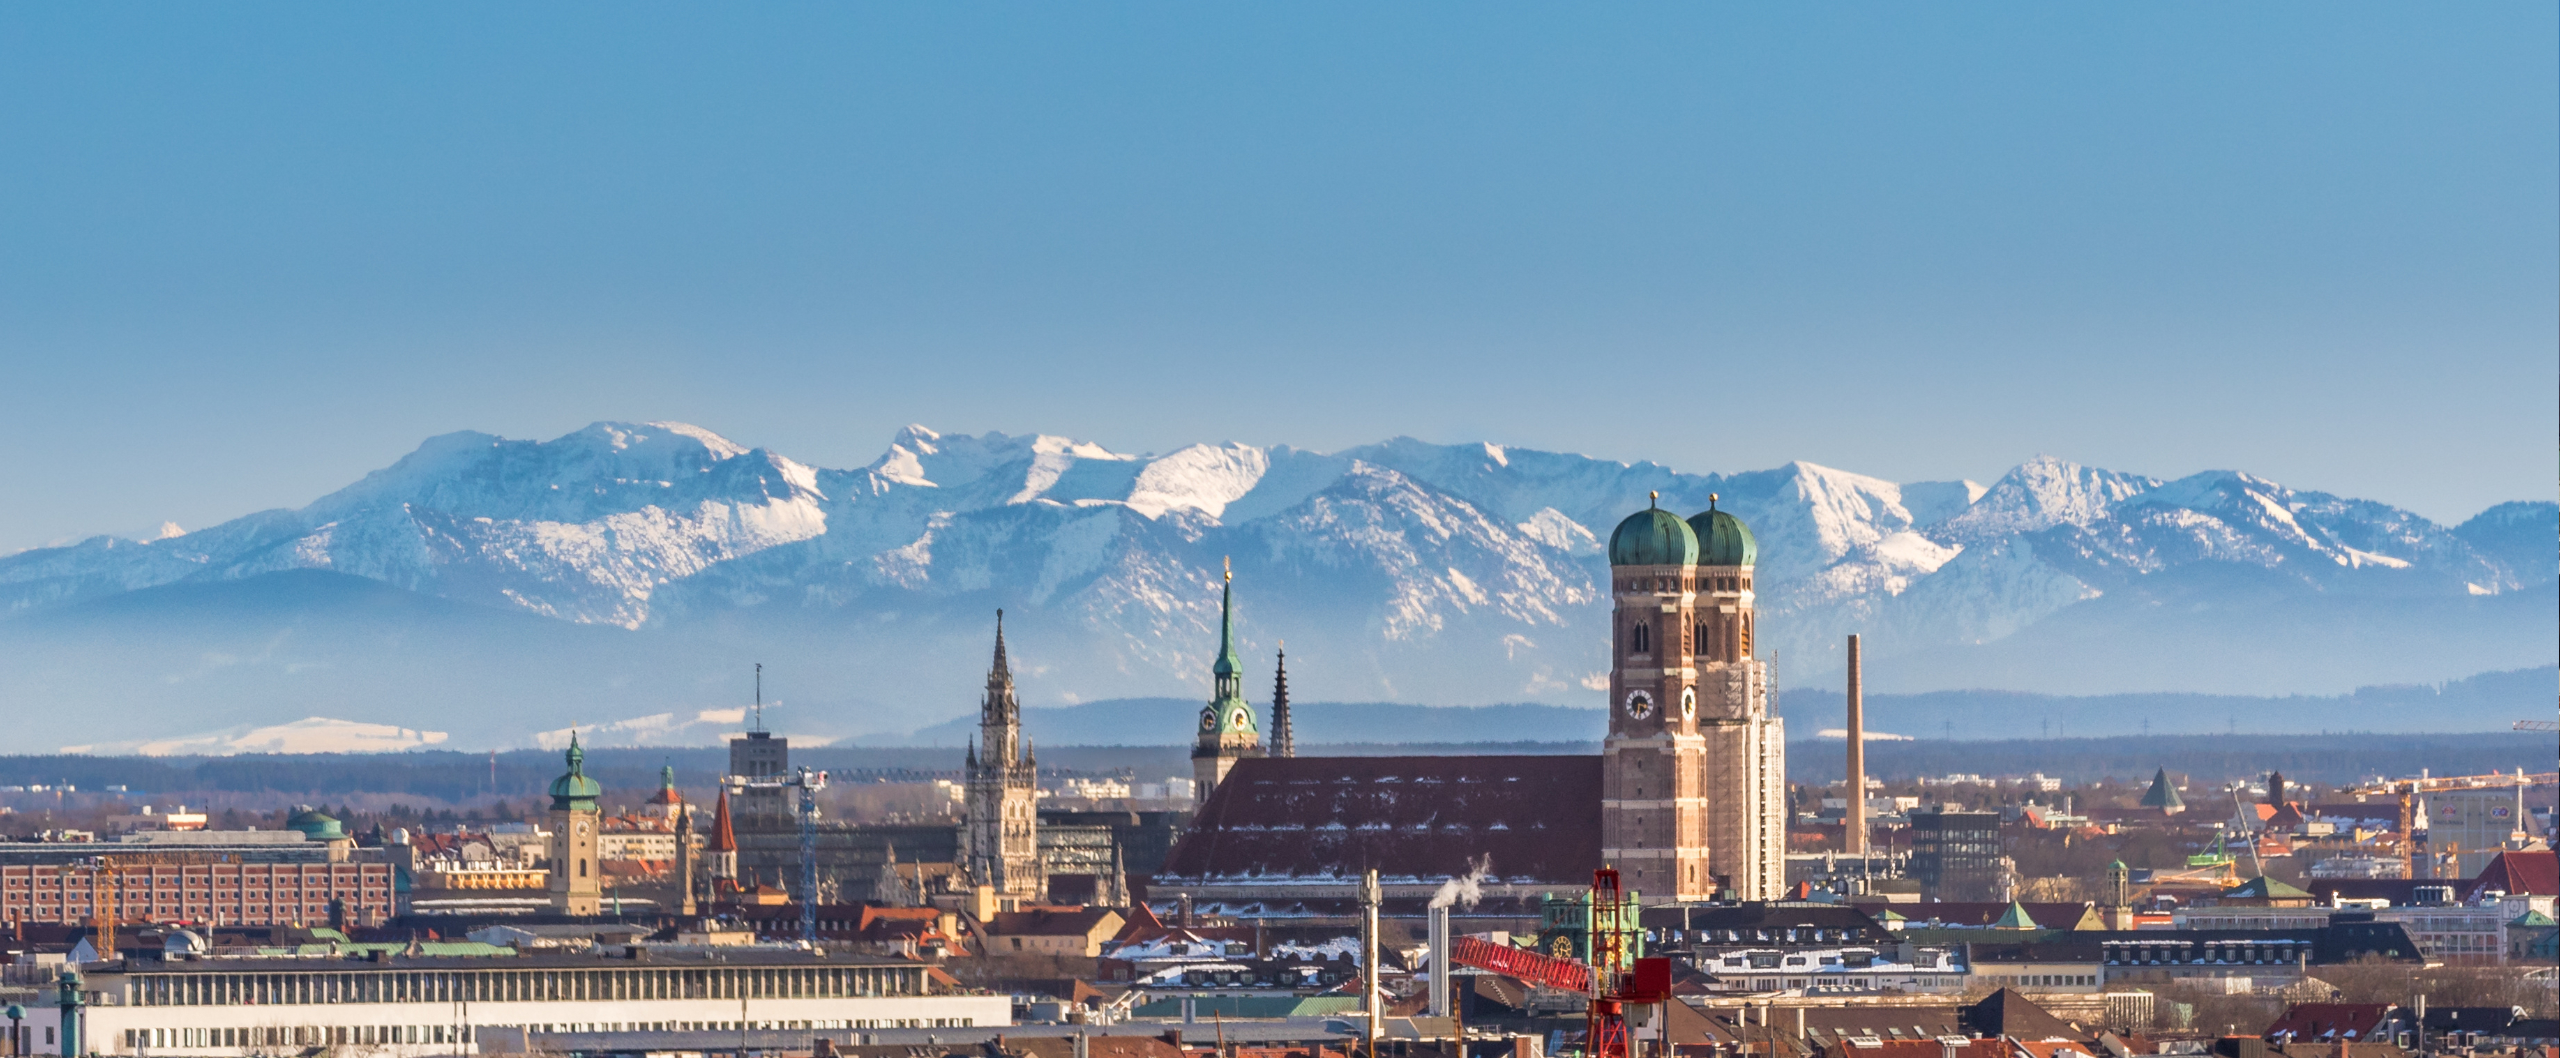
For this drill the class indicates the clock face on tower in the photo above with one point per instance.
(1239, 719)
(1208, 720)
(1639, 705)
(1688, 703)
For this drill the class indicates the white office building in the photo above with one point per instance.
(399, 1007)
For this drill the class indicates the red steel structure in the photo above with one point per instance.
(1546, 971)
(1605, 1026)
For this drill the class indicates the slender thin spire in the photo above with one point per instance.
(1284, 742)
(1228, 664)
(1002, 669)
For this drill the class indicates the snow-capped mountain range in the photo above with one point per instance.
(1406, 571)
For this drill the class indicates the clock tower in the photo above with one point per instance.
(1653, 801)
(1693, 772)
(577, 876)
(1002, 847)
(1228, 732)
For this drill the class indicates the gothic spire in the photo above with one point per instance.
(1002, 671)
(1284, 742)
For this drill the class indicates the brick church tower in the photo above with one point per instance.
(1693, 772)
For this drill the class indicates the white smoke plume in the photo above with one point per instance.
(1466, 889)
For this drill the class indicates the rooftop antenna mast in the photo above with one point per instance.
(759, 696)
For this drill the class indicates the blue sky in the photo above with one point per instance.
(249, 252)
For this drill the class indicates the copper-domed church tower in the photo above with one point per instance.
(1693, 772)
(1228, 732)
(577, 872)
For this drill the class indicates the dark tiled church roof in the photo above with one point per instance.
(1409, 818)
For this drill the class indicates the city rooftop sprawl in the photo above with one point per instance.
(1673, 895)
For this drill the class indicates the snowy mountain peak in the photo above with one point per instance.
(1201, 477)
(626, 436)
(2044, 492)
(1403, 570)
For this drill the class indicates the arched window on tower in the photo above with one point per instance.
(1704, 639)
(1640, 638)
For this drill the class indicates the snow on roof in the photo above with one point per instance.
(1421, 818)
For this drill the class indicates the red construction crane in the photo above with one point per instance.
(1545, 971)
(1605, 1026)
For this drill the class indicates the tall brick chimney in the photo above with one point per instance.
(1854, 839)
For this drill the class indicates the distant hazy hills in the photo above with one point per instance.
(2488, 702)
(628, 576)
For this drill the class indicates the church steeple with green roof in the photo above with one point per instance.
(1227, 712)
(2163, 795)
(1228, 730)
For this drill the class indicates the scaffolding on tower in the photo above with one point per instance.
(808, 782)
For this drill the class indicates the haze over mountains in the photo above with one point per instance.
(628, 576)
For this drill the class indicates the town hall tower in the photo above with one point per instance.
(1003, 839)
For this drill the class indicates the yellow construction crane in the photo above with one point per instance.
(105, 891)
(2409, 789)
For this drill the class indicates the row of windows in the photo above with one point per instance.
(227, 989)
(377, 1035)
(1726, 583)
(296, 1036)
(1639, 638)
(2042, 980)
(2280, 953)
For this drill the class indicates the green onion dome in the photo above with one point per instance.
(574, 791)
(1653, 537)
(1722, 538)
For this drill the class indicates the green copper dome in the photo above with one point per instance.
(1722, 538)
(316, 825)
(1653, 537)
(574, 792)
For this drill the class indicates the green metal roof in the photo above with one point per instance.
(1228, 664)
(1722, 538)
(1227, 712)
(2163, 793)
(2016, 918)
(574, 792)
(2265, 888)
(316, 825)
(1653, 537)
